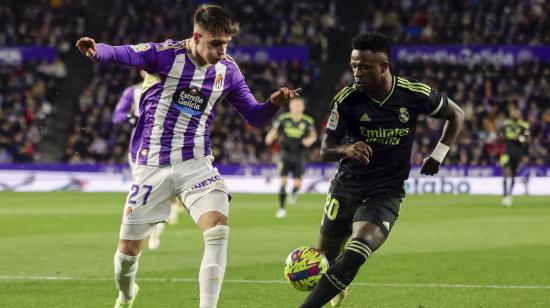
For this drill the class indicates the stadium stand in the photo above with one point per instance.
(484, 90)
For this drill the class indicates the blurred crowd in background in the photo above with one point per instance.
(28, 92)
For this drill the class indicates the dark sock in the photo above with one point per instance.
(339, 275)
(295, 190)
(512, 185)
(282, 198)
(505, 190)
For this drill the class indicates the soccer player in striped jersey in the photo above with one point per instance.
(371, 132)
(127, 110)
(171, 143)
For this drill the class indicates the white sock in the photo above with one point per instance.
(125, 275)
(213, 265)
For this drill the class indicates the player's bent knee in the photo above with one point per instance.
(369, 232)
(211, 219)
(216, 233)
(213, 205)
(130, 247)
(132, 237)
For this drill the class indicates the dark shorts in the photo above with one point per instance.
(511, 160)
(292, 165)
(341, 212)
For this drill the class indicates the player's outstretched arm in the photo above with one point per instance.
(331, 150)
(254, 113)
(140, 56)
(455, 120)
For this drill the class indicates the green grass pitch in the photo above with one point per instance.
(56, 250)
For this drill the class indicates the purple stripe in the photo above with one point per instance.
(189, 136)
(226, 85)
(142, 132)
(172, 115)
(207, 150)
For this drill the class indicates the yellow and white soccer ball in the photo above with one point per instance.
(304, 266)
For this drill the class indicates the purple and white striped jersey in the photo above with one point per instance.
(128, 103)
(178, 100)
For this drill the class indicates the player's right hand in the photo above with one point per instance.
(282, 96)
(86, 46)
(360, 151)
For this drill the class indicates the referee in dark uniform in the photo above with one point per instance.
(296, 132)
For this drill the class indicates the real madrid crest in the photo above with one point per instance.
(403, 115)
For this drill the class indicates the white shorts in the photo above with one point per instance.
(216, 200)
(192, 181)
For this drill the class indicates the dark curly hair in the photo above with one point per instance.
(372, 41)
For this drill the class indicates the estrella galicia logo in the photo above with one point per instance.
(189, 101)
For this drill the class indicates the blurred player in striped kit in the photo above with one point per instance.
(171, 143)
(127, 110)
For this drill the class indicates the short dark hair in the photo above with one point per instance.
(215, 19)
(372, 41)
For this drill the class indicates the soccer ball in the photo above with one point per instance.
(304, 267)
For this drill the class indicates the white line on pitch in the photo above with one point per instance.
(244, 281)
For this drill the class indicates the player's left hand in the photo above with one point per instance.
(430, 166)
(282, 96)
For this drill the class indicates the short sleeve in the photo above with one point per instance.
(435, 104)
(336, 127)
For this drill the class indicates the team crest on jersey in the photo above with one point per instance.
(333, 119)
(403, 115)
(218, 82)
(140, 47)
(190, 101)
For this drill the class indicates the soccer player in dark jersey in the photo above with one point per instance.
(516, 137)
(370, 132)
(296, 131)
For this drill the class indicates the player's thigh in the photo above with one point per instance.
(284, 167)
(375, 218)
(197, 185)
(149, 198)
(298, 168)
(515, 160)
(209, 209)
(131, 237)
(337, 216)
